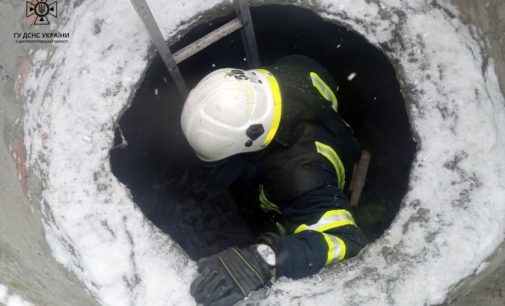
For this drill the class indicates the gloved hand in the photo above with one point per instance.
(229, 276)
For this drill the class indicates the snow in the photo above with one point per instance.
(452, 218)
(11, 299)
(351, 76)
(3, 293)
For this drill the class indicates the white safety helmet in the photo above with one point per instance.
(232, 111)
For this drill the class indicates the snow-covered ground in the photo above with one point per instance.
(453, 216)
(9, 299)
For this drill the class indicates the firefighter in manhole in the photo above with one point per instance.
(280, 128)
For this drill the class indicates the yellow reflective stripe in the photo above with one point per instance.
(276, 91)
(265, 203)
(324, 90)
(301, 228)
(344, 213)
(336, 248)
(334, 159)
(334, 219)
(329, 220)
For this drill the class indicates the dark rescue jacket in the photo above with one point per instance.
(302, 176)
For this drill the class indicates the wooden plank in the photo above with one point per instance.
(147, 17)
(207, 40)
(248, 36)
(359, 178)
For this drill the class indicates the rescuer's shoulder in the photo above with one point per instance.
(303, 66)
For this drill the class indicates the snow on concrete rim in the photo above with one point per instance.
(11, 299)
(452, 219)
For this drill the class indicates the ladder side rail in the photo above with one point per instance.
(248, 36)
(147, 17)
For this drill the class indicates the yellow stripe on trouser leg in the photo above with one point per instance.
(276, 91)
(334, 159)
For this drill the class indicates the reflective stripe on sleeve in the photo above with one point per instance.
(329, 220)
(324, 90)
(334, 159)
(332, 219)
(336, 248)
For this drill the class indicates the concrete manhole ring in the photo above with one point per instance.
(452, 218)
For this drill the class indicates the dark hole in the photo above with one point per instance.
(155, 163)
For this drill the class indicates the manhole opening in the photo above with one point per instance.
(162, 172)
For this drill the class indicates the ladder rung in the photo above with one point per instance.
(172, 60)
(207, 40)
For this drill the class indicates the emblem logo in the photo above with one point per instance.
(41, 9)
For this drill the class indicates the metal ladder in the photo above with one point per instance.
(242, 21)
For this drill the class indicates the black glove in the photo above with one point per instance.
(229, 276)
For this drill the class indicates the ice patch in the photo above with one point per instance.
(452, 218)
